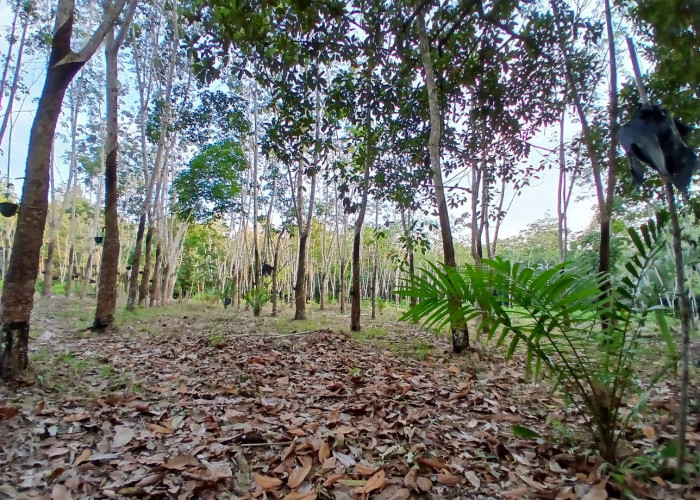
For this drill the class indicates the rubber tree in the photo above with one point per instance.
(459, 330)
(109, 267)
(18, 291)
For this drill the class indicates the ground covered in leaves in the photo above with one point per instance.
(197, 402)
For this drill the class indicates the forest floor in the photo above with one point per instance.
(194, 401)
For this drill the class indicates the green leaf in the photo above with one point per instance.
(523, 432)
(670, 450)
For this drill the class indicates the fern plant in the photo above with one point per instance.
(587, 340)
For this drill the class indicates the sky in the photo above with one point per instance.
(533, 203)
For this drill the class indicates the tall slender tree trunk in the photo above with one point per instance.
(256, 249)
(606, 210)
(459, 329)
(53, 233)
(143, 286)
(109, 267)
(18, 291)
(604, 193)
(275, 262)
(155, 286)
(375, 260)
(409, 252)
(343, 295)
(561, 192)
(356, 291)
(305, 226)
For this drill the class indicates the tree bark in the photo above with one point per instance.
(375, 261)
(355, 291)
(143, 286)
(305, 226)
(155, 287)
(405, 224)
(109, 267)
(459, 329)
(18, 292)
(256, 249)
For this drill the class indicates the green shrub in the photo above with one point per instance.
(256, 298)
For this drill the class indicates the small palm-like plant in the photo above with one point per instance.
(586, 339)
(256, 298)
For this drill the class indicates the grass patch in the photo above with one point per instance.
(370, 334)
(216, 340)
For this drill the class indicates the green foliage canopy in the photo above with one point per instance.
(208, 189)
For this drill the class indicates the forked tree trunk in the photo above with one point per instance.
(18, 292)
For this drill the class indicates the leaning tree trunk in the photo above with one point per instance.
(18, 292)
(459, 329)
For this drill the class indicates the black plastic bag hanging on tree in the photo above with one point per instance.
(656, 139)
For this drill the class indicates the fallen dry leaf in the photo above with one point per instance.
(365, 469)
(83, 457)
(267, 483)
(7, 412)
(297, 495)
(448, 479)
(473, 479)
(595, 493)
(424, 483)
(150, 480)
(409, 479)
(297, 476)
(649, 432)
(123, 437)
(76, 417)
(432, 463)
(180, 462)
(375, 482)
(60, 492)
(324, 452)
